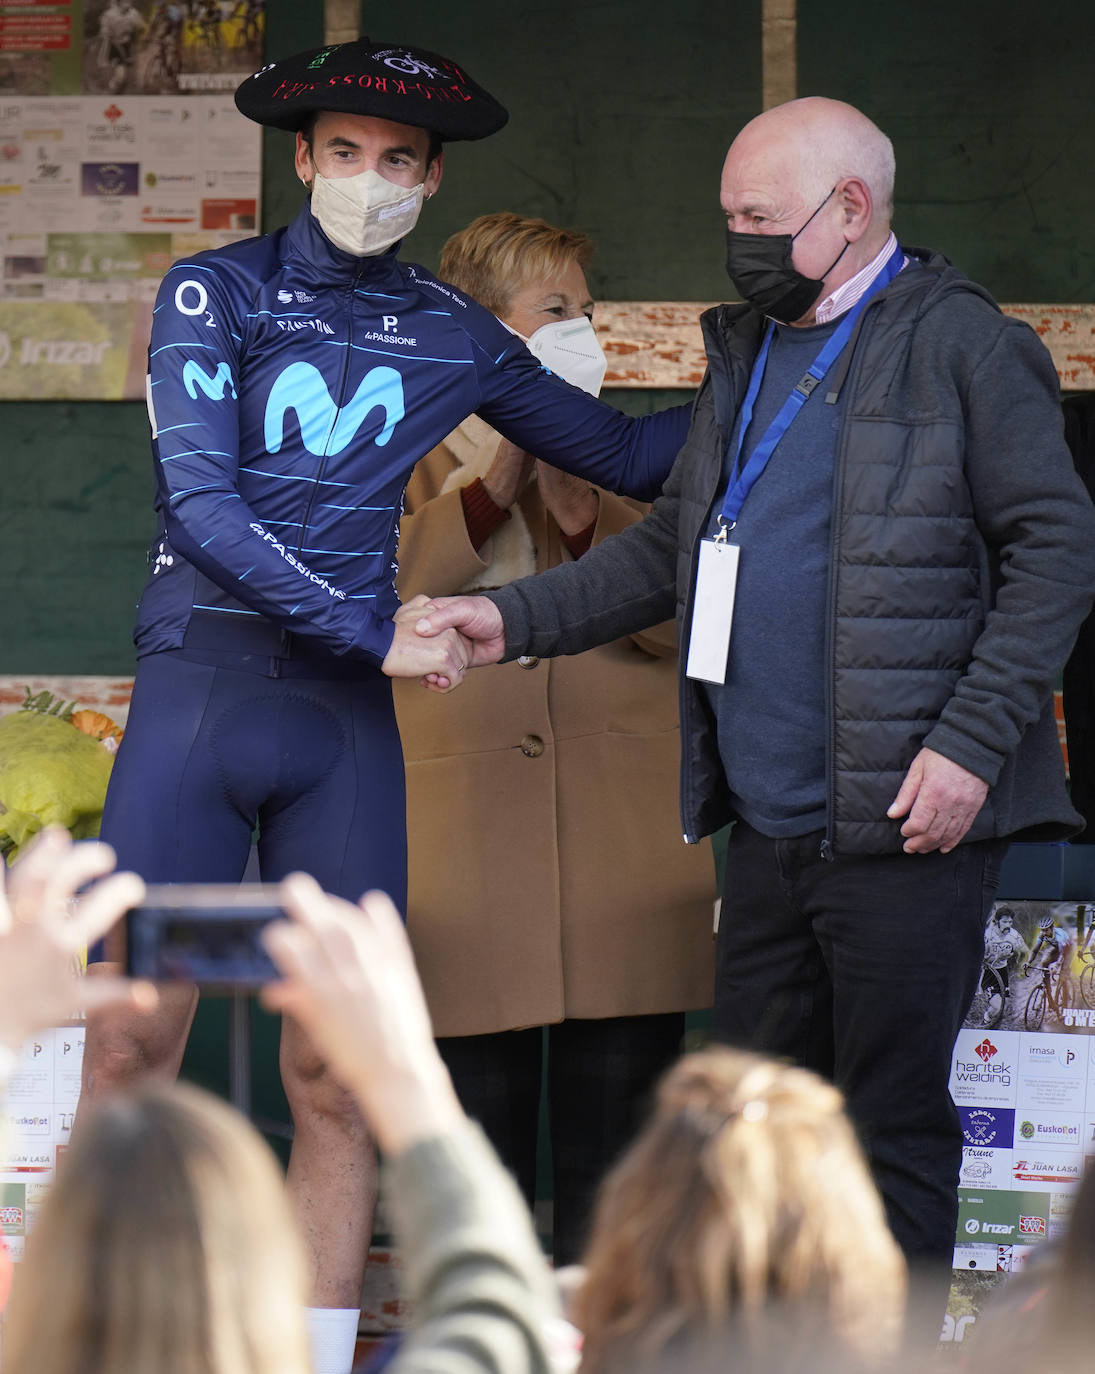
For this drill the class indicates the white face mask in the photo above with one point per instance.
(570, 349)
(365, 213)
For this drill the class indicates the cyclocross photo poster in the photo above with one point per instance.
(1023, 1080)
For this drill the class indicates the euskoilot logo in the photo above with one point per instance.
(985, 1050)
(1026, 1130)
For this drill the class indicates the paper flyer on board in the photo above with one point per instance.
(40, 1105)
(1023, 1080)
(120, 150)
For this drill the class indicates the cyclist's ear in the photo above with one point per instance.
(434, 172)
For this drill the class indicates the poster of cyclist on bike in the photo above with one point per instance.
(166, 47)
(1038, 970)
(1023, 1082)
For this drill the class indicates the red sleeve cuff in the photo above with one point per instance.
(481, 515)
(579, 543)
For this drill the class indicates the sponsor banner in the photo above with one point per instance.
(1002, 1217)
(13, 1209)
(46, 1086)
(109, 178)
(98, 196)
(987, 1126)
(1052, 1071)
(986, 1168)
(981, 1257)
(1047, 1171)
(983, 1068)
(1042, 1130)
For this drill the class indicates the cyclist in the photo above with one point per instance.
(1004, 947)
(294, 381)
(1054, 945)
(119, 25)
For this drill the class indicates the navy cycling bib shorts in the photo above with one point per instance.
(215, 749)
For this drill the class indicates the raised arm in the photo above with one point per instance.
(481, 1293)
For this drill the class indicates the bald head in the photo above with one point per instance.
(821, 142)
(818, 170)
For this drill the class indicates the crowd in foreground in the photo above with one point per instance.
(740, 1230)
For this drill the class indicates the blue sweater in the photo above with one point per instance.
(771, 710)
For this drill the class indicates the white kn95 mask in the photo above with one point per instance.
(365, 214)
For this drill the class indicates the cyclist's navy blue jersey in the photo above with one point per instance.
(291, 388)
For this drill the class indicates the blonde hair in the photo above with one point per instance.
(166, 1245)
(496, 255)
(746, 1188)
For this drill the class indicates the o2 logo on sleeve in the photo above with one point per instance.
(191, 298)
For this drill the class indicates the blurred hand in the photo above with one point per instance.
(941, 800)
(349, 979)
(44, 928)
(479, 623)
(571, 500)
(508, 475)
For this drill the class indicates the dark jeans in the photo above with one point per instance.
(862, 968)
(600, 1075)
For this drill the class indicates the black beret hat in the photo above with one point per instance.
(395, 81)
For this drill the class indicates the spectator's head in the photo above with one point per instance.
(498, 257)
(813, 177)
(1069, 1321)
(745, 1190)
(165, 1245)
(531, 274)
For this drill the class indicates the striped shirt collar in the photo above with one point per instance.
(846, 295)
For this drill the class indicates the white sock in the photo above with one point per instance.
(332, 1333)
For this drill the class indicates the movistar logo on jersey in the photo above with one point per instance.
(325, 427)
(195, 377)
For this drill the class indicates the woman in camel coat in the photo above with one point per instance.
(549, 884)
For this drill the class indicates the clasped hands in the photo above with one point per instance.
(438, 639)
(441, 638)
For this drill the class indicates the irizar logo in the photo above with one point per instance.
(195, 378)
(987, 1228)
(325, 427)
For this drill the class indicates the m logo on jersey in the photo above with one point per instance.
(324, 427)
(195, 377)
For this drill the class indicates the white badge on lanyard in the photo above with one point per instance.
(713, 609)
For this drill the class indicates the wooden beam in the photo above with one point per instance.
(658, 343)
(779, 65)
(341, 20)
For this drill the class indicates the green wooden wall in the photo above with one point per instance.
(621, 113)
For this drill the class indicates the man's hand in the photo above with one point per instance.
(479, 623)
(414, 609)
(439, 659)
(508, 475)
(571, 500)
(44, 928)
(349, 979)
(941, 800)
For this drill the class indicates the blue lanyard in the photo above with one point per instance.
(744, 481)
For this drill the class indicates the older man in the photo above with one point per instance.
(876, 493)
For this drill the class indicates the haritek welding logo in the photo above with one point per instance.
(989, 1070)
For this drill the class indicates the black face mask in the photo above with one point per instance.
(764, 273)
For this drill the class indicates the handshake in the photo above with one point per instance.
(437, 639)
